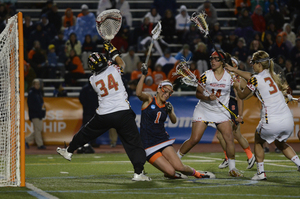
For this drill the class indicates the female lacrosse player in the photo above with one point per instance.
(218, 83)
(159, 150)
(236, 106)
(276, 122)
(113, 112)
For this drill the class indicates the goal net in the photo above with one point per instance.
(10, 105)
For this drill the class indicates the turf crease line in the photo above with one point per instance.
(38, 193)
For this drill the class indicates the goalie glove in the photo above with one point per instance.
(113, 52)
(144, 69)
(169, 107)
(189, 82)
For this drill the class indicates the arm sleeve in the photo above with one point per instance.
(252, 84)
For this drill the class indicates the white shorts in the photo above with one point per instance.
(203, 114)
(279, 130)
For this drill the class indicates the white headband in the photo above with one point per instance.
(166, 84)
(235, 61)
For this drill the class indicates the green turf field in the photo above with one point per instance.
(108, 175)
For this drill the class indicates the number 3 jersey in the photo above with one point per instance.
(110, 89)
(273, 103)
(220, 88)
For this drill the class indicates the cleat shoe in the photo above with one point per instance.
(236, 173)
(251, 162)
(266, 150)
(140, 177)
(259, 176)
(224, 164)
(206, 174)
(64, 153)
(277, 150)
(177, 176)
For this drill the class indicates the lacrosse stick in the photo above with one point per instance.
(190, 78)
(199, 20)
(155, 36)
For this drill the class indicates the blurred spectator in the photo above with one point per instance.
(149, 85)
(279, 48)
(245, 23)
(54, 17)
(59, 91)
(158, 75)
(211, 12)
(68, 20)
(36, 111)
(168, 24)
(59, 43)
(268, 41)
(131, 60)
(154, 17)
(52, 61)
(48, 27)
(255, 3)
(295, 55)
(272, 29)
(29, 76)
(145, 43)
(193, 69)
(275, 16)
(28, 27)
(62, 58)
(37, 60)
(280, 60)
(287, 42)
(84, 11)
(254, 46)
(182, 22)
(219, 42)
(240, 51)
(201, 58)
(75, 68)
(258, 20)
(121, 40)
(105, 5)
(47, 7)
(142, 31)
(291, 36)
(184, 53)
(289, 74)
(231, 42)
(73, 43)
(40, 35)
(124, 7)
(215, 30)
(167, 61)
(87, 48)
(192, 36)
(164, 5)
(136, 74)
(240, 5)
(267, 5)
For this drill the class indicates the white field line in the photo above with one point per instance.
(38, 193)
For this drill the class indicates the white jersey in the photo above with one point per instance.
(213, 111)
(273, 103)
(110, 89)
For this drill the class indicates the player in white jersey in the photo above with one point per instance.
(276, 122)
(113, 112)
(218, 83)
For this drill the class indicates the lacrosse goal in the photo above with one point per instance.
(12, 158)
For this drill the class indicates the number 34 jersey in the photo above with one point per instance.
(220, 88)
(273, 104)
(111, 92)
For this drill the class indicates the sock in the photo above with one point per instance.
(248, 152)
(296, 160)
(180, 155)
(260, 167)
(231, 164)
(225, 155)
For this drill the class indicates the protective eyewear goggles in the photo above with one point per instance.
(252, 62)
(214, 58)
(165, 90)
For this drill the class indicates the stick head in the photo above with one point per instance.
(108, 23)
(199, 20)
(156, 31)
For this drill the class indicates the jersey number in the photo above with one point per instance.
(111, 84)
(157, 117)
(271, 85)
(218, 93)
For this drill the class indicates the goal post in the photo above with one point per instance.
(12, 141)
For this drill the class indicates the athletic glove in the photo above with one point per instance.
(169, 107)
(113, 51)
(144, 69)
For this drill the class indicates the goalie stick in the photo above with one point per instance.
(189, 78)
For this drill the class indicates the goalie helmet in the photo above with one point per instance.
(97, 62)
